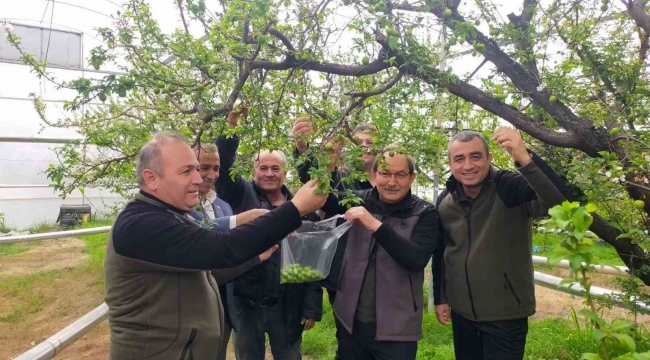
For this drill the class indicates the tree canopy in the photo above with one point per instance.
(572, 75)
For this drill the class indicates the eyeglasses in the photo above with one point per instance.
(387, 175)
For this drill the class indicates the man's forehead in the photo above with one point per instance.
(363, 135)
(208, 158)
(270, 159)
(178, 155)
(395, 163)
(465, 148)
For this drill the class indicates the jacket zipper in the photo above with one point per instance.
(512, 289)
(186, 348)
(469, 246)
(415, 305)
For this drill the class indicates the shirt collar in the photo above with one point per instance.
(210, 197)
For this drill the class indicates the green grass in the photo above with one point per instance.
(605, 255)
(13, 249)
(548, 339)
(43, 227)
(23, 286)
(96, 249)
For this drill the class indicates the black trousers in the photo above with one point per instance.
(490, 340)
(361, 345)
(331, 295)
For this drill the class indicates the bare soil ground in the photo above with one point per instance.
(47, 306)
(66, 253)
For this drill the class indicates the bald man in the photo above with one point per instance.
(162, 303)
(258, 303)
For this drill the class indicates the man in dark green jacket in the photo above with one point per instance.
(163, 303)
(483, 277)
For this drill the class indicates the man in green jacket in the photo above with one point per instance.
(163, 302)
(483, 276)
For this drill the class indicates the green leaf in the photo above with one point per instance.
(619, 325)
(559, 213)
(626, 340)
(599, 334)
(576, 262)
(591, 316)
(591, 207)
(392, 42)
(590, 356)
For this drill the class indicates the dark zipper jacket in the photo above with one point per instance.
(299, 300)
(486, 272)
(405, 242)
(163, 303)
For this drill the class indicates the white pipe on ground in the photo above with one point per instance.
(53, 235)
(564, 264)
(59, 341)
(553, 283)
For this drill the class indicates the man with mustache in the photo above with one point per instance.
(163, 304)
(483, 270)
(217, 215)
(363, 134)
(379, 296)
(259, 303)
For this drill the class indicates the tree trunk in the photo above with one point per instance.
(632, 254)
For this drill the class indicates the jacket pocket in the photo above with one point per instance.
(188, 345)
(512, 289)
(415, 304)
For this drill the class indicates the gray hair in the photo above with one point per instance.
(467, 136)
(283, 158)
(149, 154)
(398, 150)
(207, 148)
(364, 128)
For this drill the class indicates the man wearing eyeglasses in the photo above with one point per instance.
(258, 304)
(379, 295)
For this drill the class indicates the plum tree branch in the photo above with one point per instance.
(518, 75)
(637, 11)
(381, 90)
(280, 36)
(180, 108)
(180, 9)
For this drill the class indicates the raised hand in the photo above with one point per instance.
(235, 115)
(513, 143)
(301, 128)
(306, 200)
